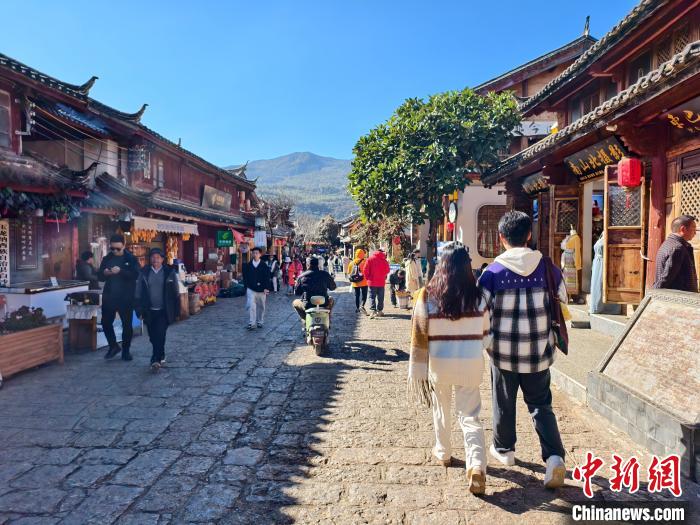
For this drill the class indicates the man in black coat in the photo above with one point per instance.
(314, 282)
(258, 283)
(397, 282)
(119, 270)
(675, 264)
(157, 302)
(85, 271)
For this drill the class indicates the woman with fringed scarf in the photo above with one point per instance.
(449, 331)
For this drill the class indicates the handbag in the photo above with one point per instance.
(561, 333)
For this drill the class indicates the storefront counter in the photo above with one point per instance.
(40, 294)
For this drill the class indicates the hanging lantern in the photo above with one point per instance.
(629, 175)
(629, 172)
(450, 226)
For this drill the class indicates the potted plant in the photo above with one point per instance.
(28, 340)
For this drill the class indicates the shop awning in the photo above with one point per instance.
(159, 225)
(238, 236)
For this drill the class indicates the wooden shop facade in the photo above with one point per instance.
(632, 100)
(73, 171)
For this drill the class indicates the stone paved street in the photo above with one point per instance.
(254, 428)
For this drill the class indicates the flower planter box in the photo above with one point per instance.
(29, 348)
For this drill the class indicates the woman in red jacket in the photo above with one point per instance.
(295, 270)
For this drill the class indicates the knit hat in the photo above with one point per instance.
(156, 251)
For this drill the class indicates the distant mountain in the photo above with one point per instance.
(318, 184)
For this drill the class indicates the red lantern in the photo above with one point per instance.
(629, 172)
(450, 226)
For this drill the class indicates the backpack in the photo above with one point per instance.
(356, 275)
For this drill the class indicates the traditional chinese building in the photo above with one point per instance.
(472, 215)
(64, 154)
(634, 93)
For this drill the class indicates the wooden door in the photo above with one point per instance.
(564, 215)
(625, 226)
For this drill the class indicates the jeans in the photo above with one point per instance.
(126, 314)
(360, 296)
(376, 298)
(157, 324)
(467, 407)
(256, 306)
(538, 398)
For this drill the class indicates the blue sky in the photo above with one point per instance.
(242, 81)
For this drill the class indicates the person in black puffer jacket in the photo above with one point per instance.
(310, 283)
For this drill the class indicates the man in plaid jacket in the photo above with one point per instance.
(522, 344)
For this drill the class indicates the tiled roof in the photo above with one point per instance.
(155, 201)
(641, 90)
(80, 92)
(644, 10)
(73, 90)
(584, 42)
(30, 170)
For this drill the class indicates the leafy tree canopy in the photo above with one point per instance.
(425, 150)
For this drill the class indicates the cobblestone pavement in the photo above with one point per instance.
(254, 428)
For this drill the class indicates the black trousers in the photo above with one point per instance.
(360, 295)
(126, 314)
(157, 324)
(538, 398)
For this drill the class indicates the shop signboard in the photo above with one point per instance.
(260, 238)
(216, 199)
(224, 238)
(535, 183)
(685, 118)
(26, 252)
(590, 162)
(4, 252)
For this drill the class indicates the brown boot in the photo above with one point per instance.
(476, 480)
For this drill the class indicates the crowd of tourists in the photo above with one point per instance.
(514, 308)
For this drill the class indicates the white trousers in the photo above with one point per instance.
(467, 407)
(256, 305)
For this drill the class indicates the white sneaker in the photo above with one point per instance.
(507, 458)
(556, 472)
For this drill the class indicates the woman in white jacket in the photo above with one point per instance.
(449, 331)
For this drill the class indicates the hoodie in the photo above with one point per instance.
(376, 269)
(522, 261)
(360, 262)
(514, 289)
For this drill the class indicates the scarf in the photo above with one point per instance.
(418, 387)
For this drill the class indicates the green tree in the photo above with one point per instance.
(327, 231)
(425, 151)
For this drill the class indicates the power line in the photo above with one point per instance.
(54, 117)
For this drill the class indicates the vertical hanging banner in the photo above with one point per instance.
(4, 252)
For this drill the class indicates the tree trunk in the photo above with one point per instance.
(432, 247)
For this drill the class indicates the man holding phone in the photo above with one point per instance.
(119, 270)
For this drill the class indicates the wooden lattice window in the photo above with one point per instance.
(488, 243)
(664, 51)
(5, 122)
(681, 38)
(690, 193)
(565, 215)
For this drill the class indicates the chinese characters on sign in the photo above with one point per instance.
(25, 247)
(4, 252)
(663, 474)
(590, 162)
(688, 121)
(216, 199)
